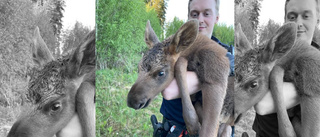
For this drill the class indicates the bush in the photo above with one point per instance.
(119, 46)
(267, 31)
(120, 33)
(73, 37)
(221, 31)
(224, 33)
(172, 27)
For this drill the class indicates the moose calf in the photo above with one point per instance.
(282, 58)
(171, 58)
(58, 91)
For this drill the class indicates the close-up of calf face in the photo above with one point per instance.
(156, 68)
(52, 88)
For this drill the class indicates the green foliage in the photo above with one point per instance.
(120, 33)
(172, 27)
(119, 46)
(72, 38)
(160, 6)
(224, 33)
(113, 116)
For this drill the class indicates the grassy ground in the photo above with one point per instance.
(113, 117)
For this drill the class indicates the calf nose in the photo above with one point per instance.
(136, 103)
(18, 131)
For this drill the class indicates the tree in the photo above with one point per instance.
(120, 37)
(254, 14)
(57, 15)
(267, 31)
(243, 16)
(172, 27)
(160, 6)
(51, 17)
(224, 33)
(54, 8)
(72, 38)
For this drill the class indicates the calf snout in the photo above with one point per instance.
(135, 99)
(137, 104)
(19, 130)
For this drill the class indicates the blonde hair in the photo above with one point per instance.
(217, 6)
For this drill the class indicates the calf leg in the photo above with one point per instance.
(224, 130)
(306, 76)
(310, 108)
(189, 114)
(86, 108)
(199, 110)
(212, 104)
(276, 83)
(296, 123)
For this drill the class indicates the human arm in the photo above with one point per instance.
(172, 91)
(267, 106)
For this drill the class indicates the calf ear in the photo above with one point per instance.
(40, 52)
(83, 59)
(280, 44)
(184, 37)
(150, 36)
(242, 44)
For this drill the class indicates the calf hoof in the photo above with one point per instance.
(193, 130)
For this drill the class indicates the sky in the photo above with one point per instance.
(270, 10)
(179, 8)
(79, 10)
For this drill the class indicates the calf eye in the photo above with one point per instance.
(56, 106)
(161, 73)
(254, 84)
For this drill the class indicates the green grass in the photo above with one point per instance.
(113, 116)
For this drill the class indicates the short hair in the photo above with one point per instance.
(285, 9)
(217, 6)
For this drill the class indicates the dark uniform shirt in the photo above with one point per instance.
(172, 109)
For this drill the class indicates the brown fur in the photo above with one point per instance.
(55, 87)
(292, 61)
(185, 50)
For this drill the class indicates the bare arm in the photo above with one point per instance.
(172, 91)
(266, 105)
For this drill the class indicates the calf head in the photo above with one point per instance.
(52, 88)
(253, 65)
(156, 68)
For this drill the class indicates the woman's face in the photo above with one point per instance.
(304, 13)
